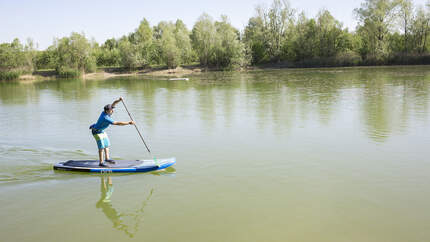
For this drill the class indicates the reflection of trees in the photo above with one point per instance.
(418, 94)
(177, 99)
(68, 89)
(106, 189)
(228, 92)
(376, 108)
(18, 93)
(318, 91)
(265, 98)
(281, 94)
(390, 99)
(206, 97)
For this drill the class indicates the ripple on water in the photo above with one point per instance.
(24, 165)
(28, 164)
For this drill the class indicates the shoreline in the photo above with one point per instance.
(179, 72)
(107, 73)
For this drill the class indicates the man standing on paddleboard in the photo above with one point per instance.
(99, 134)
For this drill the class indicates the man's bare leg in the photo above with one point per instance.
(106, 153)
(107, 156)
(100, 156)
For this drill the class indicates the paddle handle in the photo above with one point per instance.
(141, 137)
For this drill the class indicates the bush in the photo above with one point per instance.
(409, 59)
(90, 64)
(316, 62)
(348, 58)
(68, 72)
(9, 75)
(375, 60)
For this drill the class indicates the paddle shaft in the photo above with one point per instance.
(141, 137)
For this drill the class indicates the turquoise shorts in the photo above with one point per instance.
(102, 140)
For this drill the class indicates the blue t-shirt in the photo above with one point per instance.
(102, 123)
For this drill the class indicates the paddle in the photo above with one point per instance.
(141, 137)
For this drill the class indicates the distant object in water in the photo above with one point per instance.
(179, 79)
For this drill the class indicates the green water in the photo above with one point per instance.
(282, 155)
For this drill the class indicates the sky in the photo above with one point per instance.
(45, 20)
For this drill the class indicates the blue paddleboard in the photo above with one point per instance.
(118, 166)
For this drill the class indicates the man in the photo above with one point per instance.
(100, 136)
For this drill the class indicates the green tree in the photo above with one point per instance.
(396, 43)
(169, 52)
(142, 39)
(255, 39)
(11, 55)
(16, 59)
(73, 55)
(305, 44)
(203, 38)
(30, 53)
(279, 17)
(108, 54)
(130, 54)
(405, 17)
(229, 50)
(183, 42)
(45, 59)
(218, 44)
(376, 18)
(331, 38)
(269, 34)
(420, 30)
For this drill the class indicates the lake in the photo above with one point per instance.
(337, 154)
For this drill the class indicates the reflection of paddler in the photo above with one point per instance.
(106, 190)
(105, 203)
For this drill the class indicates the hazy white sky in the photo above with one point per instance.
(44, 20)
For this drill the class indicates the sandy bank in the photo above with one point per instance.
(177, 72)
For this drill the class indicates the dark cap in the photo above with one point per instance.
(108, 107)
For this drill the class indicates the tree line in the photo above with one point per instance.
(388, 32)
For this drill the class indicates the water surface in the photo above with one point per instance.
(276, 155)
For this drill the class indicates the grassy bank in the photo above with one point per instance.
(162, 71)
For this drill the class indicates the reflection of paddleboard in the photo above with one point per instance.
(119, 166)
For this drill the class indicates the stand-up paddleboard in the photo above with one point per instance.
(119, 166)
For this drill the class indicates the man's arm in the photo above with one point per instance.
(123, 123)
(116, 101)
